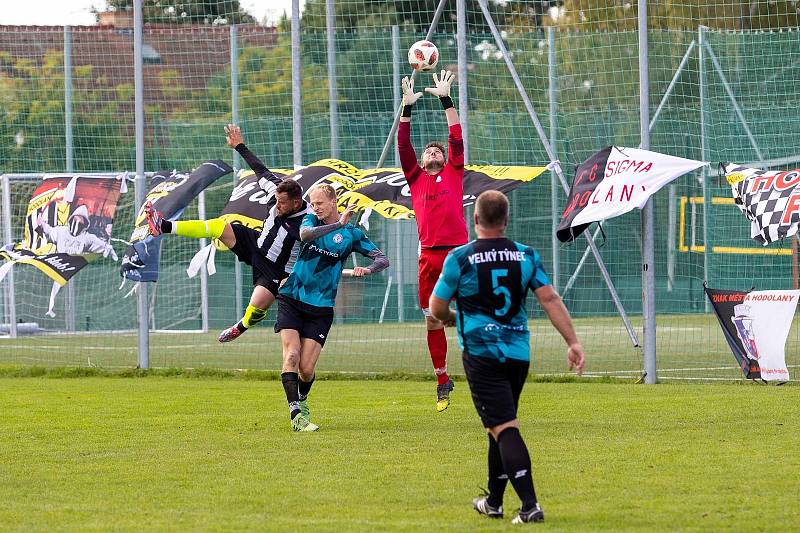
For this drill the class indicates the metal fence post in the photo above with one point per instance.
(10, 291)
(237, 266)
(554, 205)
(70, 164)
(463, 96)
(701, 73)
(647, 217)
(330, 26)
(399, 225)
(297, 112)
(140, 183)
(69, 316)
(201, 213)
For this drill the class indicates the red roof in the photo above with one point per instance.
(195, 52)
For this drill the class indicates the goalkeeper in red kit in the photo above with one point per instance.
(437, 193)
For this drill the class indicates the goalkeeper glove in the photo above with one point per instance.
(442, 88)
(442, 84)
(409, 96)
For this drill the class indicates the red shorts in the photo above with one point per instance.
(430, 266)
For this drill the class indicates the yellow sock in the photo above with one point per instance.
(199, 229)
(253, 315)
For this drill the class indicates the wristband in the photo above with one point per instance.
(407, 110)
(447, 102)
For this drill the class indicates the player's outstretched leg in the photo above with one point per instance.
(260, 301)
(214, 228)
(252, 316)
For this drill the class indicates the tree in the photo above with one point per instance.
(415, 15)
(594, 15)
(265, 83)
(188, 11)
(33, 138)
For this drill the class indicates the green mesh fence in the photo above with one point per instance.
(706, 61)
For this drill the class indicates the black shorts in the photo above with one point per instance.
(265, 273)
(310, 321)
(495, 387)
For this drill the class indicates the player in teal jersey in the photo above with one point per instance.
(489, 278)
(306, 301)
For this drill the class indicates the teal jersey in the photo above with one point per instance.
(316, 274)
(490, 278)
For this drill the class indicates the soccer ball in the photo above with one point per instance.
(423, 56)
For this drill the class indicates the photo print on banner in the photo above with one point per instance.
(616, 180)
(755, 325)
(67, 225)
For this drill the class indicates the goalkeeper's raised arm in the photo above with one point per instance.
(455, 141)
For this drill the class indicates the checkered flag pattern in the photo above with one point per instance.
(770, 200)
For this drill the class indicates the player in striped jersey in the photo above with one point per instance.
(271, 252)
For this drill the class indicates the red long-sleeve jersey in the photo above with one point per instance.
(437, 199)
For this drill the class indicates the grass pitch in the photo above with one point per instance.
(170, 454)
(689, 347)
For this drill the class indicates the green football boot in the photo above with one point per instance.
(299, 423)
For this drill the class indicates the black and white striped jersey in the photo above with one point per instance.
(279, 241)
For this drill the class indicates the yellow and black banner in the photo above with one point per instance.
(170, 192)
(386, 192)
(383, 190)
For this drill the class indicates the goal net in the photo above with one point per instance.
(721, 77)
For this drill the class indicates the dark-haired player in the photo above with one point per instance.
(490, 278)
(271, 252)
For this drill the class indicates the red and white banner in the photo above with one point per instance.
(769, 314)
(756, 325)
(615, 180)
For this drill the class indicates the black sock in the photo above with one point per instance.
(497, 475)
(289, 380)
(240, 326)
(304, 387)
(166, 226)
(517, 464)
